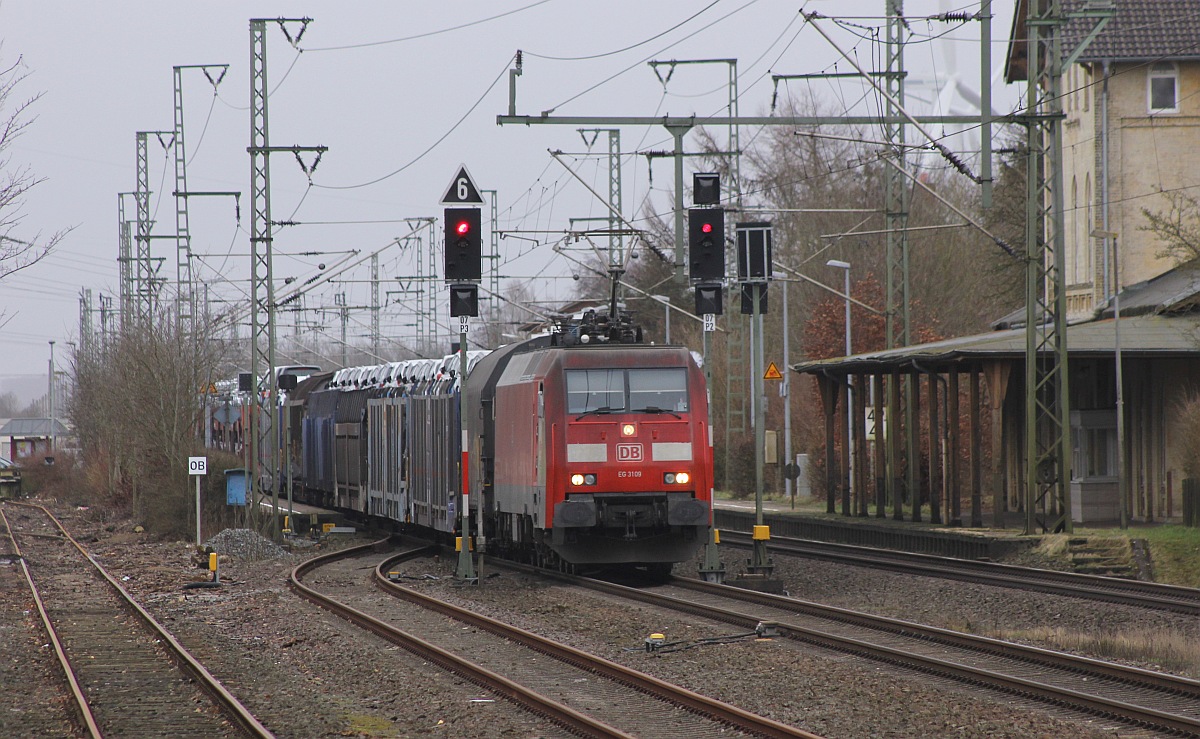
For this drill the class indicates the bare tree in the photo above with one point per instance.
(137, 408)
(1178, 227)
(17, 251)
(823, 190)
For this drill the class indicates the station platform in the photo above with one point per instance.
(908, 536)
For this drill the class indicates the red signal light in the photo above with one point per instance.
(463, 228)
(706, 228)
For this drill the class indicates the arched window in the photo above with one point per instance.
(1073, 251)
(1162, 88)
(1089, 224)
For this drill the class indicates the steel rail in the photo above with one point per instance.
(80, 701)
(571, 720)
(564, 716)
(686, 699)
(228, 704)
(1134, 714)
(1072, 584)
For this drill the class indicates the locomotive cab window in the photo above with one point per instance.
(595, 389)
(664, 389)
(638, 390)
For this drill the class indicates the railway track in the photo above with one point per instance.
(127, 676)
(1136, 697)
(583, 694)
(31, 703)
(1089, 587)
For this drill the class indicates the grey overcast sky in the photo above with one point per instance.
(402, 93)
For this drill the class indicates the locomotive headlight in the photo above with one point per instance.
(669, 478)
(676, 478)
(589, 479)
(628, 429)
(577, 479)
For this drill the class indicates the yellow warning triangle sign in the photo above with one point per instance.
(772, 373)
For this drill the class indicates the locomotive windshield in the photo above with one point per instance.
(643, 390)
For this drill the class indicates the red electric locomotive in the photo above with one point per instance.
(591, 451)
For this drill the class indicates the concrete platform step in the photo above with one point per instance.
(1102, 556)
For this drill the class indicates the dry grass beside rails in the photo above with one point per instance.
(1053, 545)
(1165, 650)
(1174, 549)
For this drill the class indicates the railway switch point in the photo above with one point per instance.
(761, 582)
(767, 629)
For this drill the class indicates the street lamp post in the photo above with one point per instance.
(849, 392)
(1122, 493)
(785, 391)
(50, 392)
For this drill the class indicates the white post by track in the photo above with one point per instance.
(197, 467)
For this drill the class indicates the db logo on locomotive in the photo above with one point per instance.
(629, 452)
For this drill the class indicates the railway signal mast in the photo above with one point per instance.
(706, 256)
(463, 271)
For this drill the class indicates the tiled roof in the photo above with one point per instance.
(33, 427)
(1141, 29)
(1158, 319)
(1175, 291)
(1141, 336)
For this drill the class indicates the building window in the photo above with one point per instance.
(1094, 437)
(1163, 88)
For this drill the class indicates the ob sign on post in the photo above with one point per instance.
(197, 466)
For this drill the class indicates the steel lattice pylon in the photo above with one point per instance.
(125, 259)
(184, 278)
(616, 252)
(375, 306)
(86, 333)
(143, 292)
(186, 306)
(262, 324)
(896, 195)
(1047, 409)
(264, 443)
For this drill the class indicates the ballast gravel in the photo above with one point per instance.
(306, 673)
